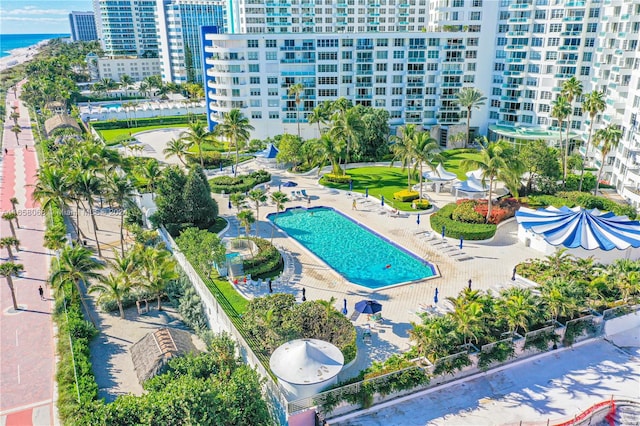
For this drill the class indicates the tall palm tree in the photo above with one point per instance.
(258, 197)
(329, 149)
(120, 190)
(16, 131)
(247, 219)
(593, 104)
(8, 270)
(561, 110)
(556, 300)
(52, 189)
(8, 242)
(236, 128)
(111, 288)
(125, 82)
(347, 127)
(87, 186)
(148, 175)
(497, 162)
(321, 115)
(295, 90)
(177, 147)
(470, 97)
(75, 265)
(404, 150)
(10, 217)
(427, 151)
(607, 139)
(14, 203)
(279, 199)
(517, 309)
(15, 116)
(197, 134)
(161, 269)
(571, 89)
(468, 321)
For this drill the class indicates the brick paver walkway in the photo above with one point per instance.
(27, 363)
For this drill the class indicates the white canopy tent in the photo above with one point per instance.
(472, 187)
(439, 177)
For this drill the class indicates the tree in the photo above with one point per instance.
(235, 128)
(148, 174)
(8, 270)
(607, 139)
(468, 321)
(125, 82)
(111, 288)
(15, 116)
(497, 162)
(197, 134)
(373, 142)
(170, 200)
(177, 147)
(76, 265)
(10, 217)
(290, 150)
(571, 89)
(258, 197)
(593, 104)
(427, 151)
(157, 270)
(247, 219)
(295, 90)
(329, 149)
(404, 149)
(200, 210)
(517, 309)
(88, 185)
(202, 248)
(347, 127)
(279, 199)
(540, 160)
(561, 110)
(470, 97)
(8, 242)
(53, 190)
(556, 300)
(14, 203)
(321, 115)
(120, 190)
(16, 131)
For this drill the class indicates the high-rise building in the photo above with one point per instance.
(127, 27)
(178, 28)
(83, 26)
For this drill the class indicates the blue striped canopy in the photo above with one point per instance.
(578, 227)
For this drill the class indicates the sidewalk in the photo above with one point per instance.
(27, 352)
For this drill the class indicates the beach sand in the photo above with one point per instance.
(19, 56)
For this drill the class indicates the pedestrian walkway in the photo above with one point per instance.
(27, 352)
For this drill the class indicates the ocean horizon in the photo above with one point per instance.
(10, 42)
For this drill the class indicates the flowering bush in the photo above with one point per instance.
(475, 211)
(405, 195)
(465, 212)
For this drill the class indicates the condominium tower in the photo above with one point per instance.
(83, 26)
(127, 27)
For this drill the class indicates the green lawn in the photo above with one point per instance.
(452, 163)
(112, 136)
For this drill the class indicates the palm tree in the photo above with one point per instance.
(149, 174)
(52, 189)
(177, 147)
(593, 104)
(197, 134)
(247, 219)
(321, 115)
(517, 309)
(120, 190)
(14, 203)
(87, 186)
(258, 196)
(10, 217)
(468, 321)
(295, 90)
(329, 149)
(561, 110)
(571, 89)
(9, 270)
(75, 265)
(279, 199)
(497, 162)
(235, 127)
(111, 288)
(16, 130)
(347, 127)
(404, 149)
(163, 270)
(607, 139)
(470, 97)
(427, 151)
(125, 82)
(15, 116)
(556, 300)
(8, 242)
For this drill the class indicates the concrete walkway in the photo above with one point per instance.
(27, 363)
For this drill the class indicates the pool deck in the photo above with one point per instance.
(488, 264)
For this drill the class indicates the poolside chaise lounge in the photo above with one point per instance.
(304, 193)
(354, 315)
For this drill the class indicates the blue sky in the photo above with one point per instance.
(39, 16)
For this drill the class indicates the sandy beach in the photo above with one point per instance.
(21, 55)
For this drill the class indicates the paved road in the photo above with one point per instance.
(27, 363)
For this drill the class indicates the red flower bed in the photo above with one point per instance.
(504, 209)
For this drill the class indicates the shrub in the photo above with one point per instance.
(266, 263)
(422, 204)
(209, 158)
(242, 183)
(337, 178)
(465, 212)
(141, 122)
(455, 229)
(406, 195)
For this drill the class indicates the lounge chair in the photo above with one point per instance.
(354, 315)
(304, 193)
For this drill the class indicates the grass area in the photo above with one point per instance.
(220, 224)
(112, 136)
(232, 295)
(453, 162)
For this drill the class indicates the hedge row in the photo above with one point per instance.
(267, 263)
(242, 183)
(587, 201)
(143, 122)
(337, 178)
(454, 229)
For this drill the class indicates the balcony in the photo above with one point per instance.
(364, 47)
(415, 84)
(516, 33)
(363, 96)
(573, 18)
(452, 72)
(297, 48)
(298, 61)
(516, 6)
(575, 4)
(517, 20)
(415, 96)
(568, 48)
(454, 47)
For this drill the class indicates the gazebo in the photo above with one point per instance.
(268, 156)
(472, 187)
(583, 232)
(306, 366)
(439, 177)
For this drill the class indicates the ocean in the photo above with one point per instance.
(16, 41)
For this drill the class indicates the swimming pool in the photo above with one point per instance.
(359, 254)
(112, 105)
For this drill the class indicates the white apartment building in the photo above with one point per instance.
(127, 27)
(136, 68)
(83, 26)
(617, 64)
(179, 37)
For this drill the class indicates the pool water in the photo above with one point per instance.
(115, 105)
(354, 251)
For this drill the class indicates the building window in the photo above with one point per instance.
(396, 102)
(382, 54)
(274, 115)
(398, 42)
(594, 12)
(586, 56)
(495, 103)
(347, 67)
(397, 79)
(471, 66)
(498, 67)
(496, 91)
(493, 115)
(396, 90)
(255, 92)
(254, 68)
(585, 70)
(254, 80)
(255, 103)
(347, 54)
(502, 41)
(551, 56)
(553, 41)
(256, 115)
(381, 67)
(347, 79)
(271, 80)
(381, 79)
(432, 66)
(527, 119)
(541, 14)
(592, 27)
(475, 16)
(557, 13)
(328, 67)
(469, 78)
(543, 108)
(589, 42)
(272, 92)
(398, 54)
(382, 42)
(555, 28)
(271, 56)
(252, 44)
(471, 54)
(381, 91)
(271, 43)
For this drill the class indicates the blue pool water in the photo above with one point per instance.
(355, 252)
(114, 105)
